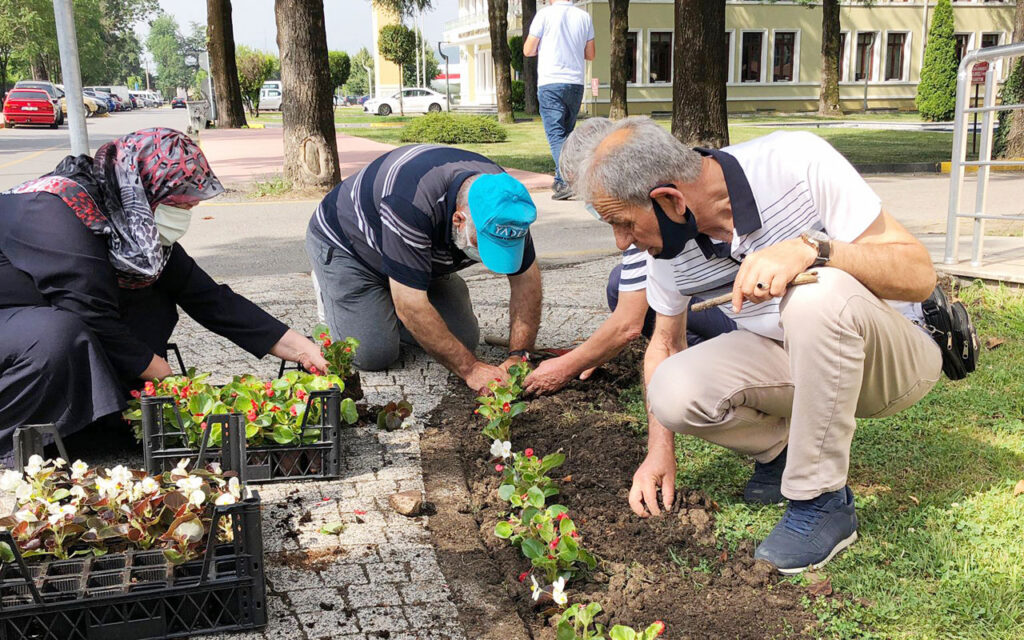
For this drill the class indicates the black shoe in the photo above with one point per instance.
(811, 532)
(561, 192)
(765, 486)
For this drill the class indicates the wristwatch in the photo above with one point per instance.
(821, 243)
(520, 353)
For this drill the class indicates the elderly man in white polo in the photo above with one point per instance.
(787, 386)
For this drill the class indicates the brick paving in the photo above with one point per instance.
(379, 578)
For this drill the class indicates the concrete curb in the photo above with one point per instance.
(897, 167)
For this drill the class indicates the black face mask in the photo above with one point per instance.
(674, 235)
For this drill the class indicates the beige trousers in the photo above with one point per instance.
(847, 355)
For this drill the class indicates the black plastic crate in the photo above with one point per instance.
(138, 595)
(321, 460)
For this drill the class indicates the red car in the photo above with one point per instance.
(29, 106)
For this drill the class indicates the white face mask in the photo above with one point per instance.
(462, 241)
(171, 223)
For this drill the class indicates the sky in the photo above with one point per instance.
(348, 22)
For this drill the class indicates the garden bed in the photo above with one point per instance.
(670, 568)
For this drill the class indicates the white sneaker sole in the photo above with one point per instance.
(839, 547)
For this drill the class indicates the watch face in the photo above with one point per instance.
(818, 236)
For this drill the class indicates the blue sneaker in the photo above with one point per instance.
(765, 486)
(811, 532)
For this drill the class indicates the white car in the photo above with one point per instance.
(270, 98)
(415, 100)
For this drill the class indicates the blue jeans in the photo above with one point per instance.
(559, 106)
(700, 325)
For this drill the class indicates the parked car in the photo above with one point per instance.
(91, 106)
(416, 100)
(270, 98)
(120, 91)
(102, 97)
(30, 106)
(51, 90)
(361, 100)
(178, 103)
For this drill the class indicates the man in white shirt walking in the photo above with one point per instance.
(562, 36)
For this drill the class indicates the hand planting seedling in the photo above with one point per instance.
(575, 624)
(394, 415)
(274, 410)
(64, 512)
(339, 355)
(501, 406)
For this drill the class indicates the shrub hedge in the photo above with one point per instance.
(445, 128)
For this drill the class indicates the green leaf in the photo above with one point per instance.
(534, 550)
(348, 411)
(250, 431)
(565, 630)
(620, 632)
(535, 497)
(566, 527)
(173, 556)
(59, 495)
(6, 553)
(332, 528)
(283, 434)
(506, 491)
(503, 530)
(551, 461)
(517, 408)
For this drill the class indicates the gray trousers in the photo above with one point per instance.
(357, 303)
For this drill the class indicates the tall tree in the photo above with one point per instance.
(532, 106)
(936, 93)
(359, 80)
(430, 63)
(166, 45)
(699, 69)
(220, 44)
(831, 34)
(497, 18)
(310, 140)
(341, 67)
(397, 44)
(254, 68)
(618, 57)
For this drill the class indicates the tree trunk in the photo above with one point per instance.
(1015, 138)
(310, 141)
(828, 100)
(401, 89)
(617, 54)
(529, 64)
(220, 43)
(699, 67)
(497, 16)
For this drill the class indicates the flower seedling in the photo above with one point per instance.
(501, 406)
(548, 537)
(394, 415)
(575, 624)
(338, 354)
(528, 471)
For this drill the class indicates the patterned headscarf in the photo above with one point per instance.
(115, 194)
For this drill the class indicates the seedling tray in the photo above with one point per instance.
(138, 595)
(320, 460)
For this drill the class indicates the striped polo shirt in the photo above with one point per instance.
(395, 215)
(634, 270)
(779, 186)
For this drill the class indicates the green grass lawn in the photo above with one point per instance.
(527, 147)
(941, 552)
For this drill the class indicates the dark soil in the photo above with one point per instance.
(705, 592)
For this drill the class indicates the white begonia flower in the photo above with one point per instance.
(225, 499)
(10, 480)
(501, 449)
(79, 492)
(197, 497)
(535, 588)
(25, 515)
(215, 467)
(235, 488)
(23, 493)
(558, 592)
(34, 466)
(121, 475)
(149, 485)
(190, 531)
(59, 463)
(107, 487)
(78, 470)
(189, 483)
(62, 513)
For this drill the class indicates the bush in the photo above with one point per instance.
(518, 96)
(445, 128)
(936, 93)
(515, 47)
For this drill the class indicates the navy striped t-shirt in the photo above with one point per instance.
(395, 215)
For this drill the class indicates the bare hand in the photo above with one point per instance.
(658, 470)
(549, 376)
(295, 347)
(158, 369)
(510, 361)
(774, 267)
(482, 374)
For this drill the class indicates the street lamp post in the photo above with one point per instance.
(369, 80)
(71, 72)
(447, 75)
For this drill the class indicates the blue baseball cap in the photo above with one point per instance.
(502, 213)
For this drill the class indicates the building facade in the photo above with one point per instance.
(774, 51)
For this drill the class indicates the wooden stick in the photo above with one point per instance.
(806, 277)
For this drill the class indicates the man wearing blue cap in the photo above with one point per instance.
(386, 244)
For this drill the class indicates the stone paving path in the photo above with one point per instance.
(379, 578)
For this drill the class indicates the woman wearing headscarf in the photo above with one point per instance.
(91, 276)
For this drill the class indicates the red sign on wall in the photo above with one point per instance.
(978, 73)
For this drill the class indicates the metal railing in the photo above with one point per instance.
(984, 162)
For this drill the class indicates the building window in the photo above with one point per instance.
(729, 55)
(842, 56)
(631, 49)
(661, 56)
(963, 41)
(751, 48)
(784, 55)
(895, 46)
(865, 61)
(990, 40)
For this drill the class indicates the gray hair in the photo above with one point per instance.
(462, 197)
(579, 148)
(646, 156)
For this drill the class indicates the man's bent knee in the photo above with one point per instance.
(671, 398)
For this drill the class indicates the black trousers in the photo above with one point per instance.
(52, 369)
